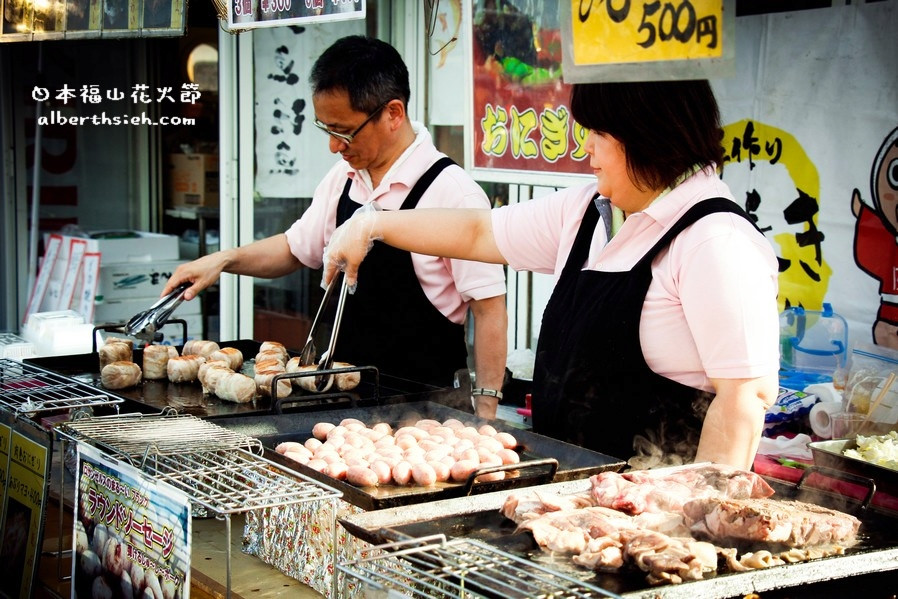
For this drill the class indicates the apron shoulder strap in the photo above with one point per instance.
(583, 240)
(693, 215)
(411, 200)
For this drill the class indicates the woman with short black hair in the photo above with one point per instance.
(665, 333)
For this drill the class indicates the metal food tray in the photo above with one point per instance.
(573, 462)
(188, 398)
(437, 568)
(830, 454)
(478, 518)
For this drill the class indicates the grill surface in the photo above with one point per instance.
(573, 462)
(477, 518)
(188, 398)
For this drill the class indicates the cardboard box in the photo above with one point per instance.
(110, 311)
(123, 245)
(134, 246)
(194, 179)
(134, 280)
(65, 277)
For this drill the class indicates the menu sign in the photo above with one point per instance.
(616, 39)
(521, 128)
(251, 14)
(25, 455)
(130, 532)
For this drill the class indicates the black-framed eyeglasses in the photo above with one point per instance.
(348, 137)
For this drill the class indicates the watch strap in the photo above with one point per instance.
(489, 392)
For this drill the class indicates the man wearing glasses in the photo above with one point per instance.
(408, 311)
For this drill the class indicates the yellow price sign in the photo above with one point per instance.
(626, 31)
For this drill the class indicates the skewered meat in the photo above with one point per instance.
(276, 348)
(231, 355)
(345, 381)
(199, 347)
(184, 369)
(115, 350)
(791, 523)
(120, 374)
(155, 361)
(306, 383)
(265, 375)
(209, 379)
(234, 386)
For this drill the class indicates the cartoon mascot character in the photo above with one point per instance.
(876, 238)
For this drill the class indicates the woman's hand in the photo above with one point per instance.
(202, 272)
(350, 243)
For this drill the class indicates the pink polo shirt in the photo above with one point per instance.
(448, 284)
(711, 309)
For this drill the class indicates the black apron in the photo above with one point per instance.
(591, 384)
(389, 322)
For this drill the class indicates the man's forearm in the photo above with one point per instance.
(267, 258)
(490, 351)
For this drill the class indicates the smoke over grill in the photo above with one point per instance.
(672, 443)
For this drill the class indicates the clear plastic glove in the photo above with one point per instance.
(350, 243)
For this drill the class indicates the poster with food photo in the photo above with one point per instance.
(520, 120)
(132, 534)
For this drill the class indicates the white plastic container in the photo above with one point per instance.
(58, 333)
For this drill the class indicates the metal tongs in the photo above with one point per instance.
(145, 324)
(309, 353)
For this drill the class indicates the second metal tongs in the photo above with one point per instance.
(309, 353)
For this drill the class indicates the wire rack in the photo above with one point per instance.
(214, 466)
(28, 390)
(434, 568)
(136, 436)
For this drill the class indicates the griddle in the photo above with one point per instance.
(478, 518)
(573, 462)
(188, 398)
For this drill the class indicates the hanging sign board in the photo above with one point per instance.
(520, 128)
(647, 40)
(252, 14)
(127, 522)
